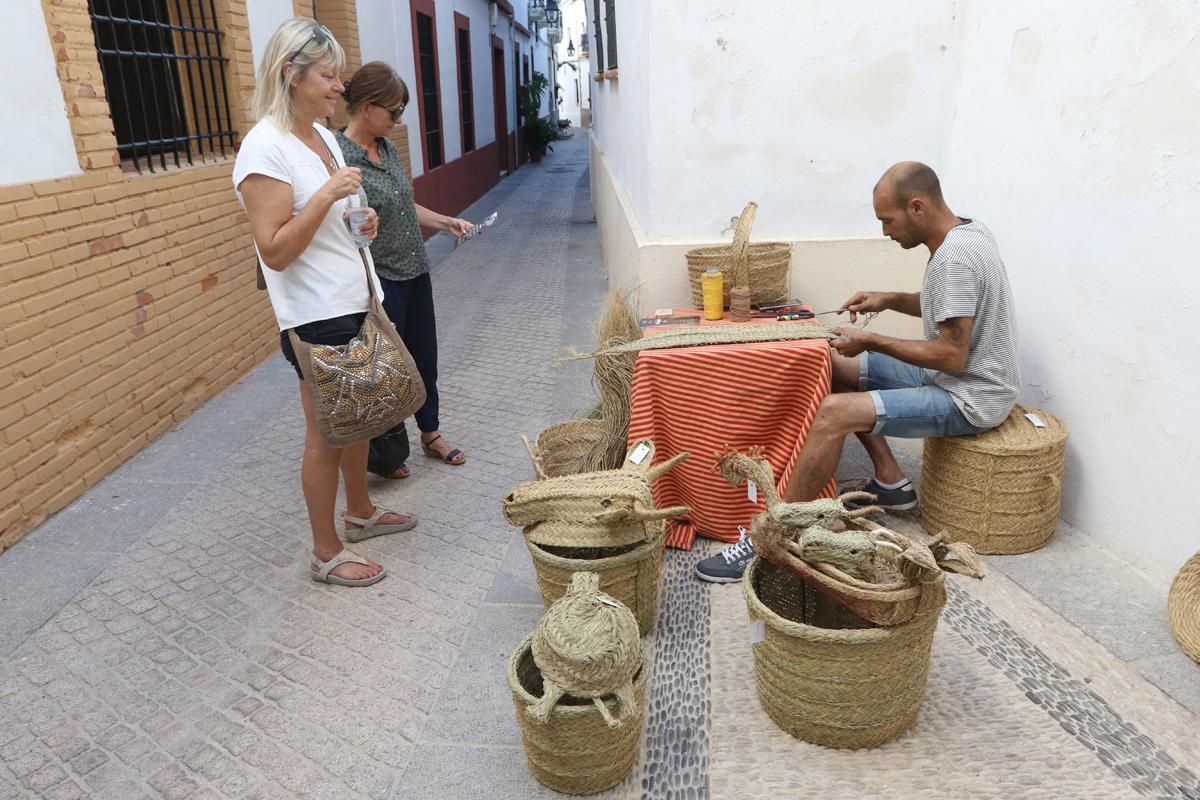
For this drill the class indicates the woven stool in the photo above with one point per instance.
(1183, 607)
(999, 491)
(827, 676)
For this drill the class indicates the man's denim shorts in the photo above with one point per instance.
(905, 404)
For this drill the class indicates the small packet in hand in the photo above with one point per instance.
(476, 229)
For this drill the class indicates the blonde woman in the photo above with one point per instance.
(293, 183)
(376, 98)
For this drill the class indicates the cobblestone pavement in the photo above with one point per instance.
(190, 657)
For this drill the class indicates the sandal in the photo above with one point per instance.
(369, 528)
(400, 474)
(321, 570)
(455, 457)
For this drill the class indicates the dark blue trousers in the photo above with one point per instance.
(409, 305)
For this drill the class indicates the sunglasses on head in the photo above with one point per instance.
(320, 33)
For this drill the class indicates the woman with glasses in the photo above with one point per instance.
(376, 97)
(293, 182)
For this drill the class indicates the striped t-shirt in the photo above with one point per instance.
(966, 278)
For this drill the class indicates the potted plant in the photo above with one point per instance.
(539, 133)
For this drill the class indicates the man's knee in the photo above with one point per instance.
(845, 413)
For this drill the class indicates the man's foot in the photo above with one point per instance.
(901, 498)
(728, 565)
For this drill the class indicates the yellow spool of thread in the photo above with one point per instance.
(712, 285)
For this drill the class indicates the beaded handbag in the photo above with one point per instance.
(365, 387)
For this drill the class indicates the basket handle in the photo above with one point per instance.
(741, 246)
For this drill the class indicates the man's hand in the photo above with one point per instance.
(866, 303)
(850, 342)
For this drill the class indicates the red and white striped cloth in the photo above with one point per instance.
(702, 400)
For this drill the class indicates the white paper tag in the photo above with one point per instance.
(758, 631)
(663, 312)
(608, 602)
(1036, 420)
(639, 453)
(752, 491)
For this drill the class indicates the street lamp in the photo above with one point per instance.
(553, 15)
(570, 48)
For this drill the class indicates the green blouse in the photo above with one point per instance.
(398, 249)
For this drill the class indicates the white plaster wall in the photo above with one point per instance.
(1080, 146)
(265, 18)
(34, 98)
(798, 105)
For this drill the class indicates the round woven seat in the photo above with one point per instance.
(1183, 607)
(999, 491)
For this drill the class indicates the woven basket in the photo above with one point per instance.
(826, 676)
(565, 447)
(628, 573)
(575, 751)
(999, 491)
(1183, 607)
(892, 598)
(766, 264)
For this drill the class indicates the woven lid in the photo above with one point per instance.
(587, 645)
(594, 509)
(1018, 434)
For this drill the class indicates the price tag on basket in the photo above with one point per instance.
(752, 492)
(758, 631)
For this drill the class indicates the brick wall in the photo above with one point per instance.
(127, 300)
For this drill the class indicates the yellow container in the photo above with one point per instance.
(712, 285)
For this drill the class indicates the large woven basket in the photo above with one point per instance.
(628, 573)
(999, 491)
(1183, 607)
(575, 751)
(826, 676)
(767, 264)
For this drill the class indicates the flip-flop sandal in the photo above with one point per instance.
(321, 570)
(370, 528)
(455, 458)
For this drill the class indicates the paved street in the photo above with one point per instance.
(161, 638)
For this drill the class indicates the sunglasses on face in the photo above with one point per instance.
(320, 33)
(396, 112)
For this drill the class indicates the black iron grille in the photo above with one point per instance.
(164, 74)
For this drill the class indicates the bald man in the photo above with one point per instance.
(961, 378)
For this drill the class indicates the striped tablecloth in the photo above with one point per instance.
(702, 400)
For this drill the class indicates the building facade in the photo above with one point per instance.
(1079, 145)
(127, 288)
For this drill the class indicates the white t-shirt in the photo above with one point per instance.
(326, 280)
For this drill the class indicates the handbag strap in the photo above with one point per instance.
(362, 251)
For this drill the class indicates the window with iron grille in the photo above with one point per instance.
(466, 98)
(610, 27)
(164, 75)
(599, 35)
(430, 106)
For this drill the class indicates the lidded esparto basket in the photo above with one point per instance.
(1183, 607)
(999, 491)
(767, 264)
(586, 649)
(826, 676)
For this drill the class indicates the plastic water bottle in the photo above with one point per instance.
(356, 214)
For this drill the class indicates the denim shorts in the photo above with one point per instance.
(906, 405)
(338, 330)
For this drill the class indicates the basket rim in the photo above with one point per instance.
(608, 562)
(880, 633)
(754, 248)
(514, 683)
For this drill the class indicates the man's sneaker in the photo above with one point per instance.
(728, 565)
(902, 498)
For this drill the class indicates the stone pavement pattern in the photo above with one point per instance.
(192, 658)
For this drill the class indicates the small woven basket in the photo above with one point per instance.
(826, 676)
(767, 264)
(575, 751)
(1183, 607)
(628, 573)
(999, 491)
(565, 448)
